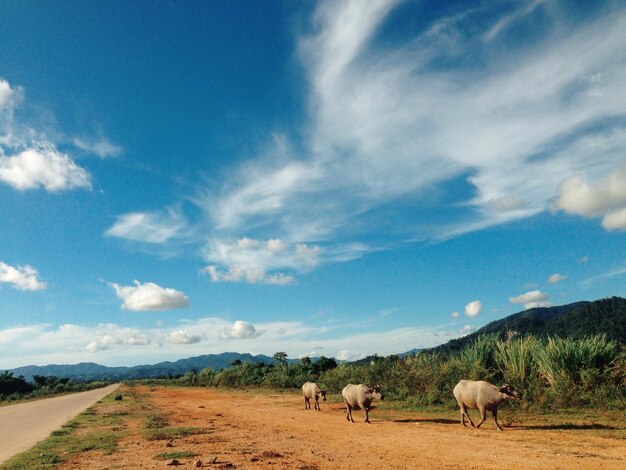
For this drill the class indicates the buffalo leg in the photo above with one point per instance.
(495, 418)
(483, 417)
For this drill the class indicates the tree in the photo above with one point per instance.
(281, 358)
(323, 364)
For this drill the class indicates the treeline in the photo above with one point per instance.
(18, 388)
(551, 372)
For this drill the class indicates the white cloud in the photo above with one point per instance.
(615, 220)
(95, 346)
(8, 97)
(556, 278)
(184, 336)
(240, 330)
(532, 299)
(384, 125)
(606, 199)
(345, 355)
(505, 21)
(454, 314)
(110, 335)
(607, 275)
(102, 147)
(21, 277)
(149, 296)
(31, 159)
(467, 329)
(255, 261)
(43, 167)
(473, 309)
(28, 159)
(149, 227)
(114, 345)
(249, 274)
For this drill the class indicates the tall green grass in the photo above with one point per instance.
(550, 372)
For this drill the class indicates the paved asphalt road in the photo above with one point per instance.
(24, 425)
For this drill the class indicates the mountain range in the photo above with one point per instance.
(91, 371)
(575, 320)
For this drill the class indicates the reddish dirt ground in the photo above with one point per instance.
(249, 429)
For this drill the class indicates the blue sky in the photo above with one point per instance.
(332, 178)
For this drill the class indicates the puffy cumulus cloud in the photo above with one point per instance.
(532, 299)
(240, 330)
(21, 277)
(30, 159)
(556, 278)
(345, 355)
(116, 336)
(271, 254)
(467, 329)
(95, 346)
(43, 166)
(149, 296)
(473, 309)
(606, 199)
(184, 336)
(149, 227)
(252, 261)
(249, 274)
(106, 341)
(615, 220)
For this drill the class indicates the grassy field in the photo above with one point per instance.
(135, 413)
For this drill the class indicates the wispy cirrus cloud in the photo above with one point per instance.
(101, 147)
(386, 124)
(156, 227)
(392, 125)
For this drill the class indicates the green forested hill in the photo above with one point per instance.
(574, 320)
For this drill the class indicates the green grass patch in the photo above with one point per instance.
(183, 454)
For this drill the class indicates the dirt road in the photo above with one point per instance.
(251, 430)
(23, 425)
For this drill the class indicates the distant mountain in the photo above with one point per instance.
(92, 371)
(574, 320)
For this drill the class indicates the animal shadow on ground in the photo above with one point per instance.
(571, 426)
(428, 420)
